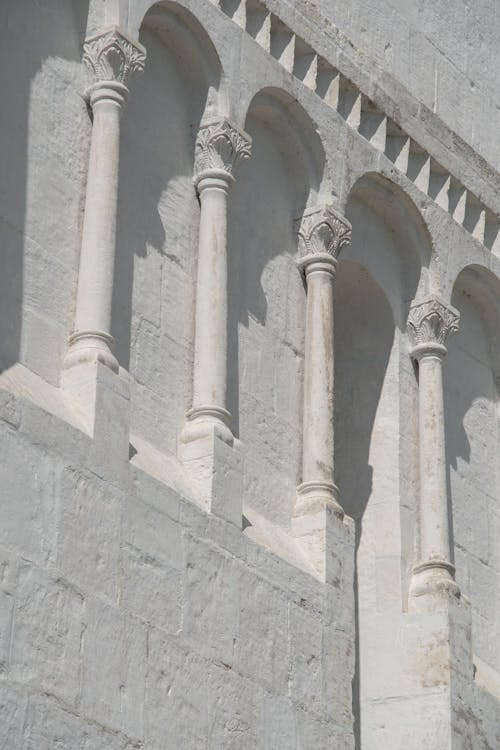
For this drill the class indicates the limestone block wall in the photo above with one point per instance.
(131, 619)
(215, 529)
(441, 51)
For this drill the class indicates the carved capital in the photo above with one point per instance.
(113, 56)
(430, 322)
(220, 146)
(323, 231)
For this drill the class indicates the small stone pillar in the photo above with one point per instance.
(429, 324)
(111, 57)
(206, 441)
(318, 516)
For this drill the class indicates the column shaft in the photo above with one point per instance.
(430, 322)
(434, 537)
(111, 57)
(317, 449)
(206, 445)
(322, 234)
(95, 277)
(210, 354)
(219, 146)
(318, 519)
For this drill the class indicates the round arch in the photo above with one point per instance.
(472, 424)
(383, 214)
(482, 287)
(185, 35)
(266, 305)
(295, 132)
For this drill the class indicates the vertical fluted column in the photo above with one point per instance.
(429, 324)
(111, 57)
(219, 147)
(322, 234)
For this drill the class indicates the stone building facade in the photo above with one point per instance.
(220, 526)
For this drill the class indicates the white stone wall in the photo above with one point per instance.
(443, 51)
(134, 614)
(130, 619)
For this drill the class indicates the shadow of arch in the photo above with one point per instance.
(158, 217)
(266, 293)
(471, 378)
(398, 212)
(158, 208)
(184, 33)
(293, 126)
(383, 270)
(38, 221)
(364, 336)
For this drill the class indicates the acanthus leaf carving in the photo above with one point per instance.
(323, 230)
(112, 56)
(219, 146)
(431, 322)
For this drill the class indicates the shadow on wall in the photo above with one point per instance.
(364, 335)
(158, 209)
(471, 422)
(30, 34)
(269, 197)
(376, 283)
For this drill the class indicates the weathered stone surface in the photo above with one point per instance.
(177, 688)
(163, 584)
(48, 725)
(88, 547)
(46, 635)
(210, 617)
(114, 656)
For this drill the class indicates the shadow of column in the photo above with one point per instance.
(31, 34)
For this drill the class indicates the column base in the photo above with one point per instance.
(322, 531)
(212, 460)
(102, 400)
(434, 578)
(89, 347)
(202, 421)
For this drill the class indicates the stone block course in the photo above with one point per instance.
(173, 579)
(114, 657)
(46, 635)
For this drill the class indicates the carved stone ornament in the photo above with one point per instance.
(323, 230)
(220, 145)
(113, 56)
(431, 322)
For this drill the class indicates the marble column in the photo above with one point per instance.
(206, 444)
(429, 324)
(322, 234)
(220, 145)
(111, 58)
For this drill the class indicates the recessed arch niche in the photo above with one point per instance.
(376, 457)
(158, 215)
(471, 373)
(267, 298)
